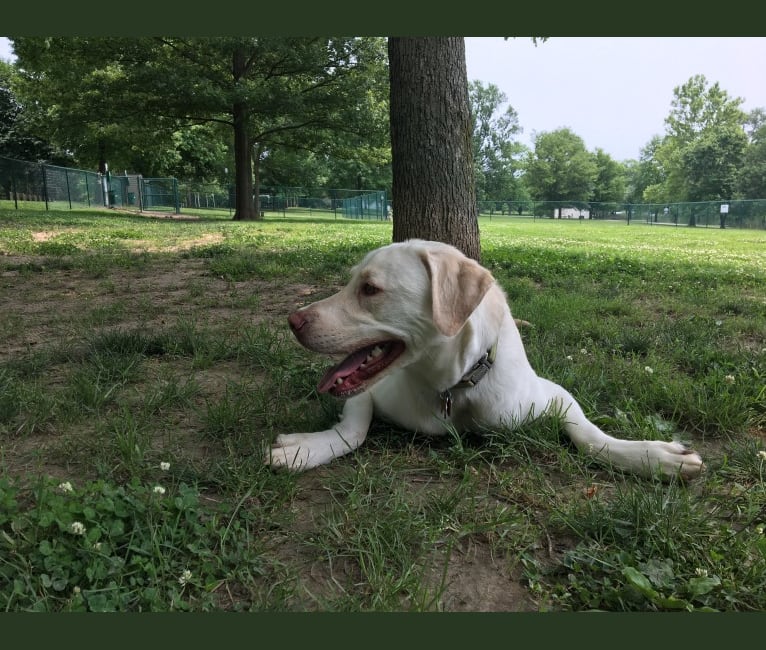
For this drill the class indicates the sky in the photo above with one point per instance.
(614, 93)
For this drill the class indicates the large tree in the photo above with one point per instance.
(712, 163)
(433, 189)
(269, 91)
(703, 144)
(751, 182)
(644, 175)
(560, 168)
(609, 186)
(496, 149)
(17, 137)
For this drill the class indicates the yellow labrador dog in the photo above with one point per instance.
(427, 341)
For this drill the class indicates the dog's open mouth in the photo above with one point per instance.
(352, 375)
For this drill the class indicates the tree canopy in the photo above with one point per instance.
(560, 168)
(310, 94)
(497, 153)
(701, 152)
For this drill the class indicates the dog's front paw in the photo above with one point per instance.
(288, 451)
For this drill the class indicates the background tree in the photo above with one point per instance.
(497, 153)
(269, 91)
(17, 139)
(751, 181)
(712, 162)
(703, 123)
(609, 184)
(645, 173)
(560, 168)
(754, 121)
(433, 189)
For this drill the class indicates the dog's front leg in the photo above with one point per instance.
(302, 451)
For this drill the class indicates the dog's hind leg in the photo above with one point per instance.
(302, 451)
(644, 457)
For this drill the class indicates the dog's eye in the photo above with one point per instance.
(369, 289)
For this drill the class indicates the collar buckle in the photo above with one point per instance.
(470, 379)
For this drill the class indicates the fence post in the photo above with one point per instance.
(175, 193)
(68, 193)
(13, 186)
(87, 188)
(45, 186)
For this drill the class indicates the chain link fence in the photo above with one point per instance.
(350, 204)
(26, 184)
(749, 213)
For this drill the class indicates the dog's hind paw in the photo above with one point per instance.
(676, 459)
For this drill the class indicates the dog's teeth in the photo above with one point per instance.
(338, 381)
(376, 351)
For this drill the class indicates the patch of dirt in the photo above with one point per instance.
(477, 581)
(43, 236)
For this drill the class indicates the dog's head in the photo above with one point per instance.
(400, 298)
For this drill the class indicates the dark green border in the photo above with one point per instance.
(389, 17)
(289, 631)
(392, 17)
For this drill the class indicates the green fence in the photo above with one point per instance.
(31, 184)
(372, 205)
(354, 204)
(159, 194)
(27, 184)
(707, 214)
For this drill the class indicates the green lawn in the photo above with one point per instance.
(144, 363)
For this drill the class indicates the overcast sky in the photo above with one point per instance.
(614, 93)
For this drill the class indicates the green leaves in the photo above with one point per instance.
(695, 587)
(139, 551)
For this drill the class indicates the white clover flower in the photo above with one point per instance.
(164, 466)
(729, 379)
(78, 528)
(702, 573)
(184, 577)
(97, 546)
(583, 351)
(66, 486)
(649, 369)
(570, 357)
(76, 590)
(759, 529)
(158, 489)
(762, 454)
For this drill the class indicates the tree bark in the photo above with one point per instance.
(433, 189)
(244, 210)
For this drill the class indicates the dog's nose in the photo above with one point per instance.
(296, 320)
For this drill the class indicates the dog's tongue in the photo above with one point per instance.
(345, 368)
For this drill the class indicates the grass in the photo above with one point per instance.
(144, 363)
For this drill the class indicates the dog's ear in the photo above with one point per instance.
(458, 285)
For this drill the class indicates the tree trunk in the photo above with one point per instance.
(244, 210)
(433, 190)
